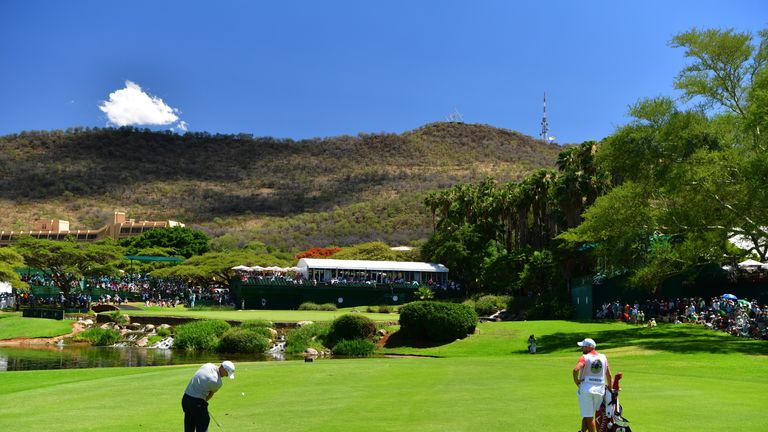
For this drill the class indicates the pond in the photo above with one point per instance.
(14, 358)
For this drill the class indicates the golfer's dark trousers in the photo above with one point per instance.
(196, 416)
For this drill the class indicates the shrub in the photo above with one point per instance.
(119, 318)
(98, 336)
(154, 339)
(200, 335)
(490, 304)
(437, 321)
(163, 332)
(251, 324)
(354, 348)
(350, 327)
(327, 307)
(309, 306)
(424, 293)
(385, 309)
(240, 340)
(311, 335)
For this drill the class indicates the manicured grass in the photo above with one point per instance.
(676, 378)
(242, 315)
(12, 326)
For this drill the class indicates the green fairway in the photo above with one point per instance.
(676, 378)
(252, 314)
(12, 326)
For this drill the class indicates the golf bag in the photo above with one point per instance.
(609, 417)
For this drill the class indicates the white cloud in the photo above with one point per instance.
(182, 126)
(132, 106)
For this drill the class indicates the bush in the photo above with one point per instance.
(119, 318)
(243, 340)
(385, 309)
(437, 321)
(163, 332)
(309, 306)
(490, 304)
(98, 336)
(251, 324)
(317, 307)
(200, 335)
(308, 336)
(350, 327)
(354, 348)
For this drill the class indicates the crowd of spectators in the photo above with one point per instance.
(165, 292)
(352, 278)
(744, 318)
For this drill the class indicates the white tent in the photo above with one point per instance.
(256, 268)
(241, 268)
(750, 263)
(5, 287)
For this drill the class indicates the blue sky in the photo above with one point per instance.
(303, 69)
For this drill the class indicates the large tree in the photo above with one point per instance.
(10, 260)
(181, 241)
(691, 177)
(66, 262)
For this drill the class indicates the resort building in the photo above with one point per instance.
(119, 228)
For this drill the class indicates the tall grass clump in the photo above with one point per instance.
(350, 327)
(200, 335)
(243, 340)
(490, 304)
(437, 321)
(310, 306)
(98, 336)
(308, 336)
(354, 348)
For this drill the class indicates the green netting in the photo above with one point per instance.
(152, 258)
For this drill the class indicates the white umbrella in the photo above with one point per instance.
(275, 268)
(256, 268)
(750, 263)
(241, 268)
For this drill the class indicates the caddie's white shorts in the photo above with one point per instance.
(590, 399)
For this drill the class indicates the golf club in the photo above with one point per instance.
(214, 420)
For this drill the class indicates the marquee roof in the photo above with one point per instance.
(409, 266)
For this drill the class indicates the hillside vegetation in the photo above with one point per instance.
(292, 194)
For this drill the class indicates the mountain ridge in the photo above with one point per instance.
(224, 183)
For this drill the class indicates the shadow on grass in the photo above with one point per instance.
(398, 340)
(684, 339)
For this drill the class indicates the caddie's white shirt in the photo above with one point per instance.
(592, 375)
(204, 381)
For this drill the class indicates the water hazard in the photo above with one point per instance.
(86, 356)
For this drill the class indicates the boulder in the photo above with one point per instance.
(311, 352)
(87, 322)
(142, 342)
(134, 326)
(149, 328)
(107, 326)
(273, 332)
(382, 332)
(164, 326)
(303, 323)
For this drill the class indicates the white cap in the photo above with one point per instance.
(230, 368)
(588, 343)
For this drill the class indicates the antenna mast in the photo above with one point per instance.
(455, 117)
(544, 123)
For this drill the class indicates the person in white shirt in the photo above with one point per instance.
(200, 389)
(591, 375)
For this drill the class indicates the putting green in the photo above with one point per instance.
(676, 378)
